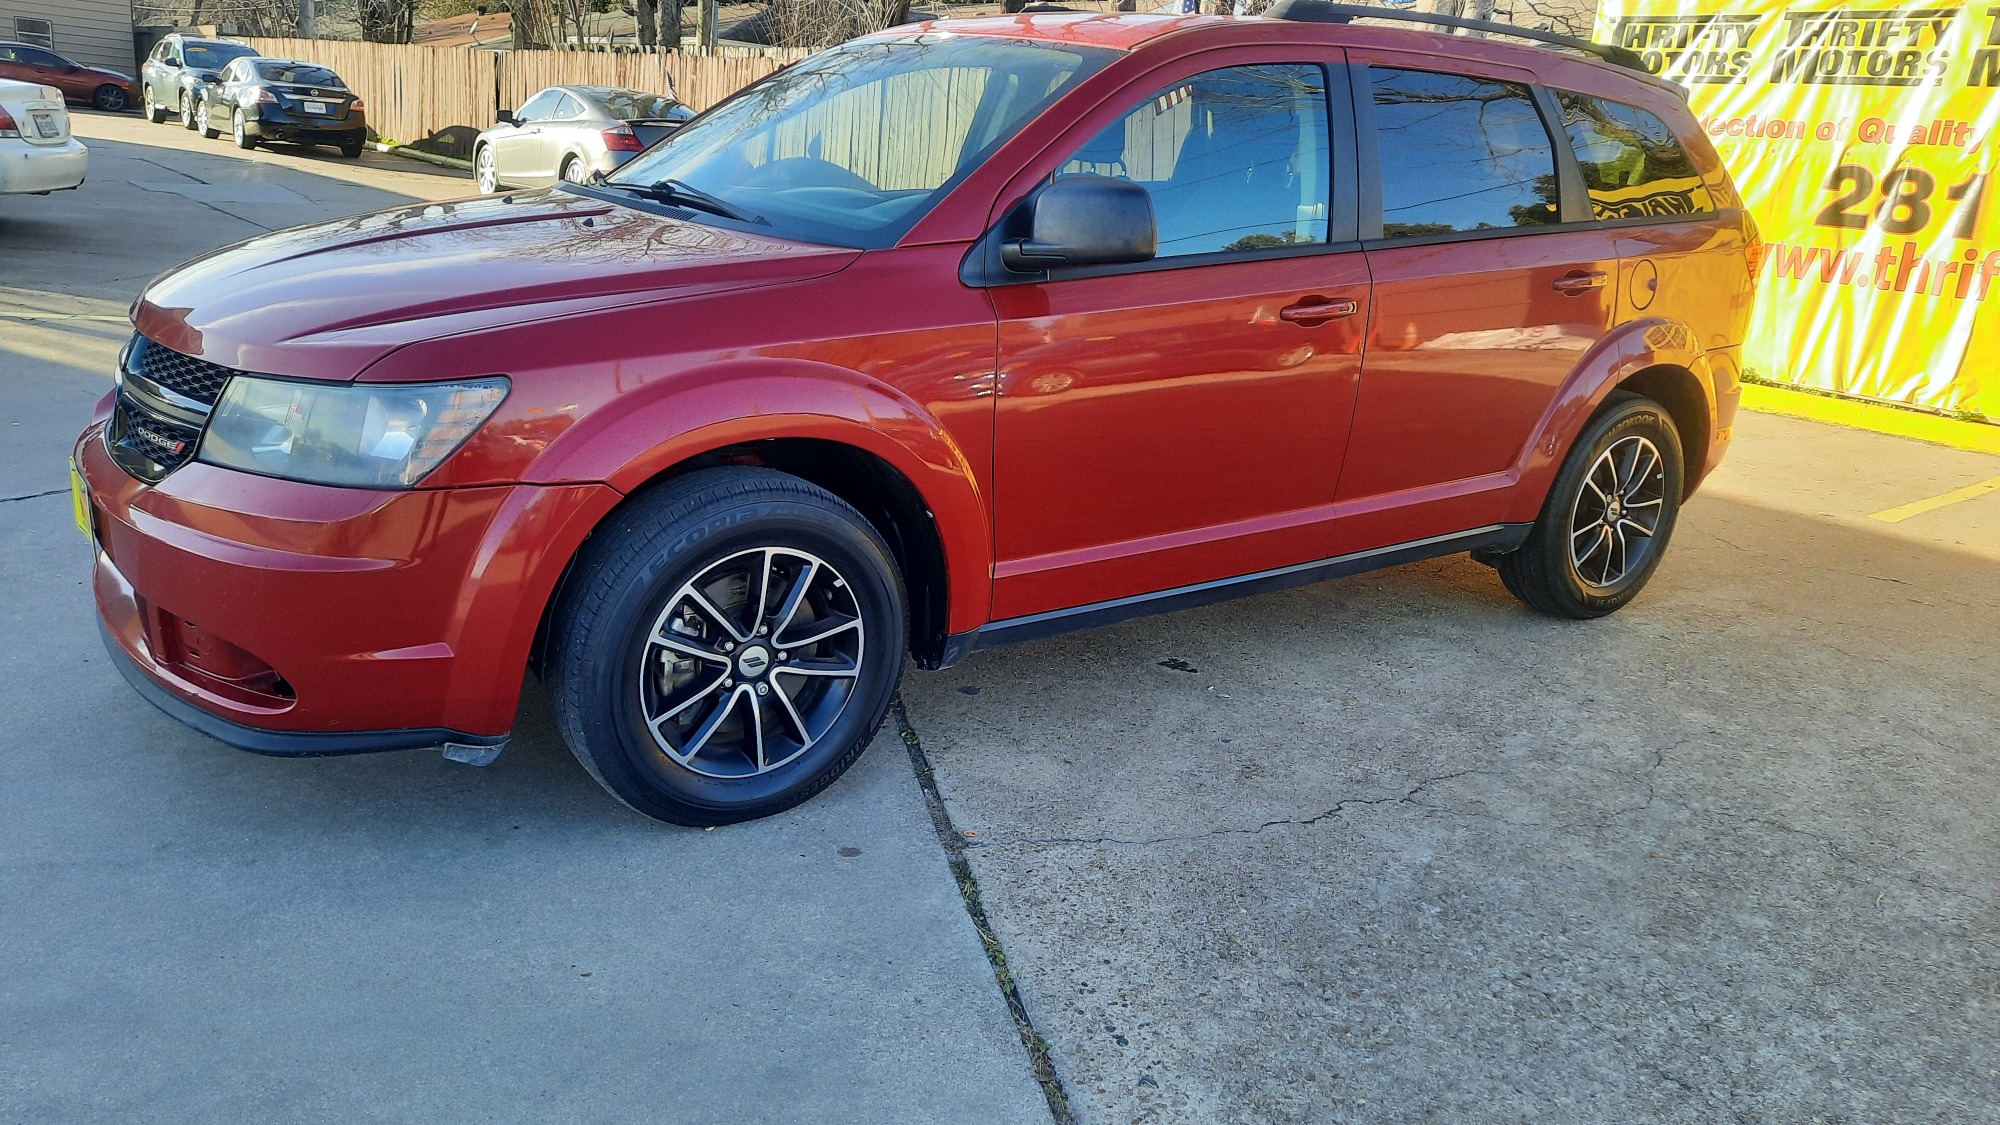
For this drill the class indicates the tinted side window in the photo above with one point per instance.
(567, 108)
(1460, 153)
(1235, 159)
(1633, 165)
(540, 106)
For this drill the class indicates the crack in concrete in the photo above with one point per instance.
(1408, 797)
(35, 495)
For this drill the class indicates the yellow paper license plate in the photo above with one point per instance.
(79, 502)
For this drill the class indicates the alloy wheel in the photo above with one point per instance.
(751, 662)
(1617, 512)
(484, 171)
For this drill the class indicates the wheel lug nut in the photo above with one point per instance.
(763, 629)
(727, 682)
(729, 646)
(784, 656)
(763, 689)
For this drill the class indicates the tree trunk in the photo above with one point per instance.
(648, 14)
(670, 24)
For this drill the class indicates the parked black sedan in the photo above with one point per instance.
(262, 99)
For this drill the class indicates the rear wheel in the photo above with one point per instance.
(110, 99)
(154, 113)
(727, 646)
(239, 132)
(1607, 518)
(572, 171)
(207, 115)
(351, 149)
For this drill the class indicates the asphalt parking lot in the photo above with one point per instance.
(1387, 849)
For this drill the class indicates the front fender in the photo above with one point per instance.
(1624, 352)
(654, 428)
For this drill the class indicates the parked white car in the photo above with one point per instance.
(37, 154)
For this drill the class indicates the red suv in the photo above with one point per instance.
(941, 339)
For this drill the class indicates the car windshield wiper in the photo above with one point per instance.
(687, 195)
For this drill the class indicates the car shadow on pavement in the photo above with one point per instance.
(1395, 848)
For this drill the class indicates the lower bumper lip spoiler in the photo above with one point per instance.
(475, 749)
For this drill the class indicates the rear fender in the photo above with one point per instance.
(1623, 353)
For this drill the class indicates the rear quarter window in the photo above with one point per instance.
(1460, 153)
(1633, 164)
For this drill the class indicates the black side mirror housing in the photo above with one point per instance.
(507, 117)
(211, 79)
(1084, 221)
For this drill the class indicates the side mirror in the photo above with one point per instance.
(175, 63)
(71, 68)
(211, 79)
(1084, 221)
(507, 117)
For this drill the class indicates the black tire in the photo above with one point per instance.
(351, 150)
(1545, 572)
(609, 672)
(154, 113)
(206, 114)
(239, 134)
(188, 121)
(110, 99)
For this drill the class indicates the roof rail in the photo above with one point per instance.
(1323, 11)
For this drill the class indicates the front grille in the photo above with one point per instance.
(164, 400)
(184, 374)
(148, 445)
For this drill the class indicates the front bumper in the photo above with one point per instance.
(307, 620)
(26, 168)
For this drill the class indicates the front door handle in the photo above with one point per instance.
(1318, 310)
(1578, 281)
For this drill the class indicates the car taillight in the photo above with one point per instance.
(622, 139)
(8, 127)
(263, 95)
(357, 104)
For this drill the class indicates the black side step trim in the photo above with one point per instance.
(1499, 538)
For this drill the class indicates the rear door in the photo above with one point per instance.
(1182, 421)
(1491, 284)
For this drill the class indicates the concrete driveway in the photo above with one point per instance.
(1389, 849)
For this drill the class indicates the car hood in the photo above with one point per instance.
(325, 301)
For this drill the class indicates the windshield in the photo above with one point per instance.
(635, 105)
(298, 74)
(853, 145)
(213, 56)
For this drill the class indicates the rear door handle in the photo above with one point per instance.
(1307, 313)
(1578, 281)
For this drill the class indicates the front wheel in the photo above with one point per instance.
(187, 111)
(727, 646)
(485, 170)
(241, 132)
(1608, 516)
(208, 129)
(110, 99)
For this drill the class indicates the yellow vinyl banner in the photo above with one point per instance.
(1862, 141)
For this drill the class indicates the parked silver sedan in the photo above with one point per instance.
(572, 133)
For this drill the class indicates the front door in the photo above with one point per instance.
(1486, 298)
(1183, 421)
(517, 152)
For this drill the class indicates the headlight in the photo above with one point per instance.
(366, 435)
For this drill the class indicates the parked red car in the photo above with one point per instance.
(944, 338)
(83, 85)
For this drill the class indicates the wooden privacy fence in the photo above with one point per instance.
(438, 98)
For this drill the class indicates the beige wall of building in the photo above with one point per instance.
(92, 32)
